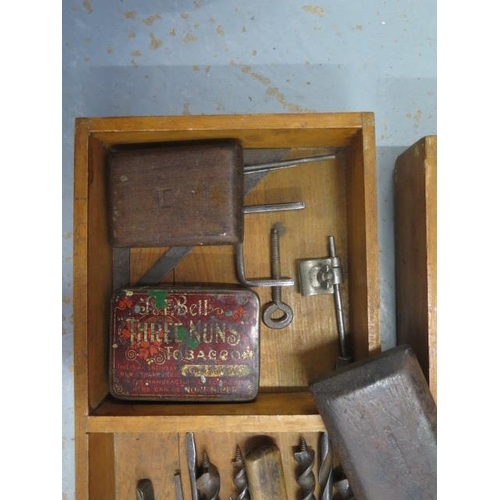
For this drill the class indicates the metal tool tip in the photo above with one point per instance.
(279, 228)
(331, 245)
(238, 457)
(303, 444)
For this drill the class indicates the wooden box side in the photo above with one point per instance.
(416, 253)
(100, 265)
(80, 306)
(260, 130)
(92, 271)
(102, 480)
(364, 290)
(92, 264)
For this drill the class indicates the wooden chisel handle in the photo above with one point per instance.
(264, 469)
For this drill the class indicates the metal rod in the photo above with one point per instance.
(240, 271)
(191, 459)
(274, 207)
(163, 266)
(266, 167)
(345, 356)
(178, 487)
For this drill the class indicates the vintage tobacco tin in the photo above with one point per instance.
(183, 344)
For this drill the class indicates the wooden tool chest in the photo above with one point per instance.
(119, 442)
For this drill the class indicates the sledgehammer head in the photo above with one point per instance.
(382, 420)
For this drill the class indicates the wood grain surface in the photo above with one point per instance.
(416, 253)
(122, 441)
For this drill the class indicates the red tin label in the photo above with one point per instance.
(185, 344)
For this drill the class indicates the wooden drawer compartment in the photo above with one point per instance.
(119, 460)
(340, 199)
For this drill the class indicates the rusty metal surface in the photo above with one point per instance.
(180, 344)
(382, 420)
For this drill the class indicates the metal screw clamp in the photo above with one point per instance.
(240, 271)
(240, 261)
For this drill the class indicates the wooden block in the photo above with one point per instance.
(382, 420)
(180, 195)
(416, 253)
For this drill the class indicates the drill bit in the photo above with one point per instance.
(208, 483)
(306, 480)
(343, 489)
(145, 490)
(325, 474)
(240, 476)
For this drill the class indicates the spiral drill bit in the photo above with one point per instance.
(240, 476)
(343, 489)
(208, 483)
(325, 474)
(306, 480)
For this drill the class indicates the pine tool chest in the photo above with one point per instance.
(203, 295)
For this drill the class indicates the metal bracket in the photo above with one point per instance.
(318, 276)
(321, 276)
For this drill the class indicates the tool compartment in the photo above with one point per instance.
(120, 442)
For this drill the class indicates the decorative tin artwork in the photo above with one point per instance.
(184, 344)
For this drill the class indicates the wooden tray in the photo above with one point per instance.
(118, 443)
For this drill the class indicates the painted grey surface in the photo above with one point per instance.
(136, 57)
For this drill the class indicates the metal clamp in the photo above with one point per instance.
(240, 261)
(240, 271)
(320, 276)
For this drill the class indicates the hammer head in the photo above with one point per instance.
(382, 420)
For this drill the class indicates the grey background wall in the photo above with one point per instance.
(132, 57)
